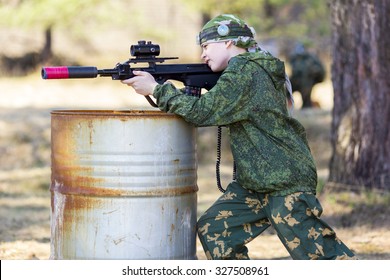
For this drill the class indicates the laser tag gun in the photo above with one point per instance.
(193, 76)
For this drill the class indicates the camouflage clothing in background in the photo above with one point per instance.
(307, 71)
(269, 147)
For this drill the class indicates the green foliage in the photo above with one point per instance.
(58, 13)
(287, 20)
(300, 20)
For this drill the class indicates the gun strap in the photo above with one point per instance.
(151, 102)
(218, 162)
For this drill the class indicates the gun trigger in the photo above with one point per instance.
(160, 80)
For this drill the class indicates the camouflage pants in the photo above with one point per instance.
(239, 215)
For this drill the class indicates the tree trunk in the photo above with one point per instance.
(360, 74)
(46, 52)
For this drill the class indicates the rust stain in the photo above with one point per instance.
(172, 231)
(89, 186)
(91, 131)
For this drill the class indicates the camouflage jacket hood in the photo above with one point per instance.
(271, 65)
(270, 148)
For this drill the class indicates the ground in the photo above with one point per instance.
(361, 220)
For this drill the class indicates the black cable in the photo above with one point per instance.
(218, 162)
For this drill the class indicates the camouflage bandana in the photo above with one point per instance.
(227, 28)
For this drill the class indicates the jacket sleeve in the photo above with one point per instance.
(226, 103)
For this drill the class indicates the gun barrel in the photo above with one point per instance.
(69, 72)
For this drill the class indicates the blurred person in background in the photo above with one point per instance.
(307, 71)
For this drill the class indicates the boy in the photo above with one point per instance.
(276, 174)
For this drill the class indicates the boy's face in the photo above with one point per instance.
(216, 55)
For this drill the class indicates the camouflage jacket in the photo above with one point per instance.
(270, 148)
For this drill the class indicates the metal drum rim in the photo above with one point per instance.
(112, 113)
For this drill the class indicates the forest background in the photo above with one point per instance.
(34, 33)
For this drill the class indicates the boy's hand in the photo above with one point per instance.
(143, 83)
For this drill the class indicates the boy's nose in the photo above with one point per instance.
(203, 56)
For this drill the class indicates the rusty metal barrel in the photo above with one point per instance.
(123, 185)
